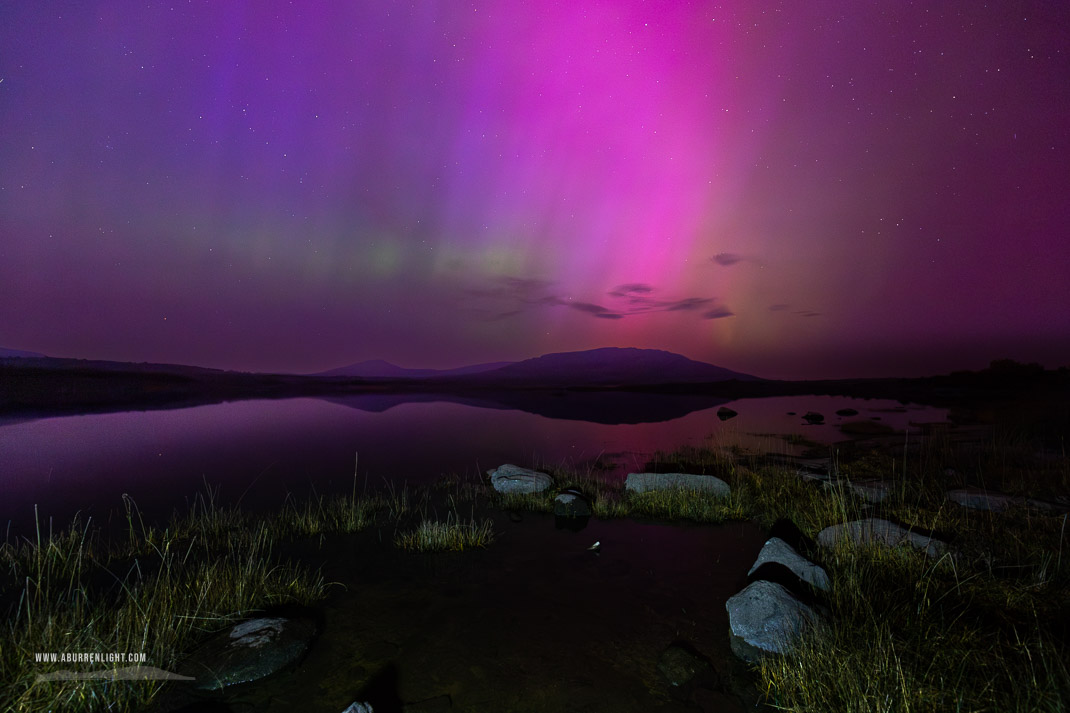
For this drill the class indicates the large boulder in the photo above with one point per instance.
(510, 478)
(249, 651)
(764, 618)
(645, 482)
(778, 551)
(880, 532)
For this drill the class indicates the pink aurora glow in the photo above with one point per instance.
(810, 190)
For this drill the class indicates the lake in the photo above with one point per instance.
(255, 452)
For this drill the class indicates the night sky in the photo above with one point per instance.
(828, 188)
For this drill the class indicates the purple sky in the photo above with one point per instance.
(795, 190)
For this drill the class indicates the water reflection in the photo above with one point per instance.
(257, 451)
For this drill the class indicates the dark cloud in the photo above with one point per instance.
(588, 307)
(807, 313)
(726, 259)
(718, 313)
(639, 300)
(517, 295)
(688, 303)
(632, 288)
(778, 308)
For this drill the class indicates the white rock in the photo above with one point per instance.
(776, 550)
(764, 618)
(510, 478)
(356, 707)
(644, 482)
(881, 532)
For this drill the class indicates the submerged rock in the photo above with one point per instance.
(778, 551)
(645, 482)
(880, 532)
(511, 478)
(571, 503)
(682, 665)
(249, 651)
(724, 413)
(847, 412)
(764, 618)
(813, 418)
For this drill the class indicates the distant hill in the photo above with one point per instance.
(379, 369)
(18, 354)
(608, 366)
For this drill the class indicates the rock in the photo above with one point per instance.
(682, 665)
(788, 531)
(880, 532)
(813, 418)
(764, 618)
(1044, 506)
(356, 707)
(779, 551)
(791, 413)
(644, 482)
(571, 503)
(847, 412)
(872, 491)
(249, 651)
(510, 478)
(724, 413)
(979, 499)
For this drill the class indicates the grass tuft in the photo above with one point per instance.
(452, 534)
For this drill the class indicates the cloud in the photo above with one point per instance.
(513, 296)
(778, 308)
(807, 313)
(631, 288)
(718, 313)
(596, 310)
(688, 303)
(726, 259)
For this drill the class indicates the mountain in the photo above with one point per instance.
(18, 354)
(379, 369)
(609, 366)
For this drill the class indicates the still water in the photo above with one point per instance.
(256, 452)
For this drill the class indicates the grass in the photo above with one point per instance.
(153, 592)
(158, 591)
(449, 535)
(982, 629)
